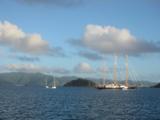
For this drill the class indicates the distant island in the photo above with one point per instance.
(156, 86)
(80, 83)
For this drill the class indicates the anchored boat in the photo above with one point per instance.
(46, 83)
(115, 84)
(54, 83)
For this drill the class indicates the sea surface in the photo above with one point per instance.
(35, 103)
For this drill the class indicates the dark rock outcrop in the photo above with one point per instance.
(80, 83)
(156, 86)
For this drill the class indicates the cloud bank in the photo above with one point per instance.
(90, 55)
(17, 40)
(109, 40)
(32, 68)
(27, 58)
(81, 68)
(56, 3)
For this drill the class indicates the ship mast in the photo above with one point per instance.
(127, 75)
(104, 73)
(115, 69)
(46, 82)
(54, 83)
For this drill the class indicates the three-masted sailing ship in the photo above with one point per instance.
(115, 84)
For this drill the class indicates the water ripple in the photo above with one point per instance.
(25, 103)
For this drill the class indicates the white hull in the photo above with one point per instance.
(109, 86)
(124, 87)
(113, 86)
(54, 87)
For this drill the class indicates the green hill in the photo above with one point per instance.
(156, 86)
(24, 79)
(80, 83)
(32, 79)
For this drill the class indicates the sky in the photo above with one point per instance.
(80, 37)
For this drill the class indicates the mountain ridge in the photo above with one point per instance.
(39, 79)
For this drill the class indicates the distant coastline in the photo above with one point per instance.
(39, 79)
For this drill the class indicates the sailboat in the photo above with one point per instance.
(125, 87)
(46, 84)
(115, 84)
(54, 84)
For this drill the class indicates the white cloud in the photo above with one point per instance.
(21, 68)
(108, 39)
(26, 58)
(54, 3)
(13, 37)
(83, 68)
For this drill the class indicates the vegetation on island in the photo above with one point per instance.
(156, 86)
(80, 83)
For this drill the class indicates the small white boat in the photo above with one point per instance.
(54, 84)
(53, 87)
(46, 84)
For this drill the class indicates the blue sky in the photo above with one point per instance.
(60, 22)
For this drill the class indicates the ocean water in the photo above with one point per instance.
(29, 103)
